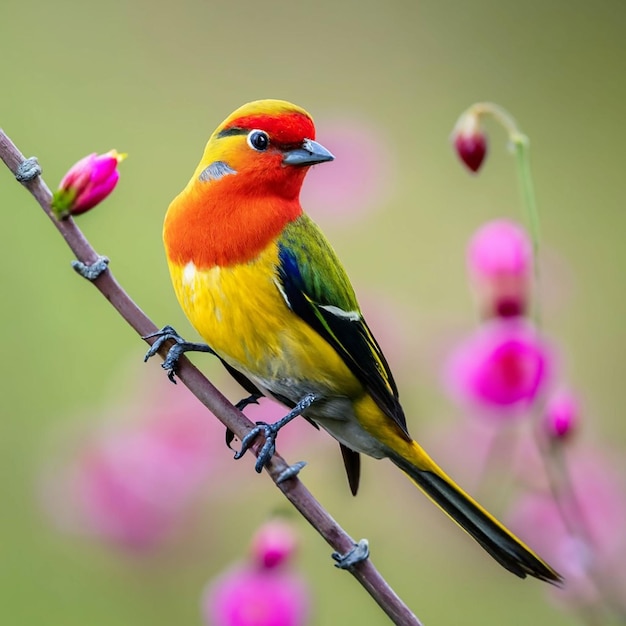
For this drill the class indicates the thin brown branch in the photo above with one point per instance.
(293, 489)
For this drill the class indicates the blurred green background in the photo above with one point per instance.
(154, 79)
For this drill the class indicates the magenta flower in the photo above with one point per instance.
(264, 592)
(359, 180)
(470, 142)
(87, 183)
(501, 368)
(499, 260)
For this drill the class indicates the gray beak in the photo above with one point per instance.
(310, 153)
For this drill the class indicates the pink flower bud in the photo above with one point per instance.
(86, 184)
(561, 416)
(499, 260)
(469, 140)
(274, 543)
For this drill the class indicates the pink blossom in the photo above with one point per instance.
(87, 183)
(499, 259)
(264, 592)
(247, 596)
(132, 486)
(134, 478)
(358, 180)
(501, 368)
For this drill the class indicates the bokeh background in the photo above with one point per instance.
(386, 82)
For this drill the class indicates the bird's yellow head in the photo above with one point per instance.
(246, 187)
(266, 146)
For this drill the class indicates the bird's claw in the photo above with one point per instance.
(269, 446)
(270, 431)
(360, 552)
(167, 333)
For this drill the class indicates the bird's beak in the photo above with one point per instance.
(309, 153)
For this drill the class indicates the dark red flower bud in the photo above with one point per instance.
(470, 142)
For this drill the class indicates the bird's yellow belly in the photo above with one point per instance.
(240, 312)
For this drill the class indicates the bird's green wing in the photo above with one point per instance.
(317, 289)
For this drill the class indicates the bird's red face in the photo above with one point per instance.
(268, 152)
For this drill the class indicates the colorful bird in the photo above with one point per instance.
(266, 291)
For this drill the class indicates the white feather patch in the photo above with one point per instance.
(353, 316)
(189, 273)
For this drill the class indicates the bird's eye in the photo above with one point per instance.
(258, 140)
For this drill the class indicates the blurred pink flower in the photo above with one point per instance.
(358, 180)
(598, 547)
(264, 592)
(499, 259)
(132, 486)
(87, 183)
(501, 368)
(133, 478)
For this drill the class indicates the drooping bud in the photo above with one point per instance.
(561, 416)
(499, 261)
(470, 142)
(86, 184)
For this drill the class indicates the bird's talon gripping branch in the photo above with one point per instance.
(28, 170)
(270, 431)
(291, 472)
(167, 333)
(91, 271)
(360, 552)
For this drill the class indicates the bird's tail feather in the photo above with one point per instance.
(493, 536)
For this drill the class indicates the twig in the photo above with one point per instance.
(195, 381)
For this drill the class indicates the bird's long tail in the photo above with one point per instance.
(493, 536)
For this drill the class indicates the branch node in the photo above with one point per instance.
(93, 270)
(360, 552)
(28, 170)
(291, 472)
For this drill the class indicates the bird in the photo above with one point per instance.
(265, 290)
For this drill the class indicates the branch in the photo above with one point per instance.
(195, 381)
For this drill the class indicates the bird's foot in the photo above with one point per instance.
(167, 333)
(91, 271)
(270, 431)
(360, 552)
